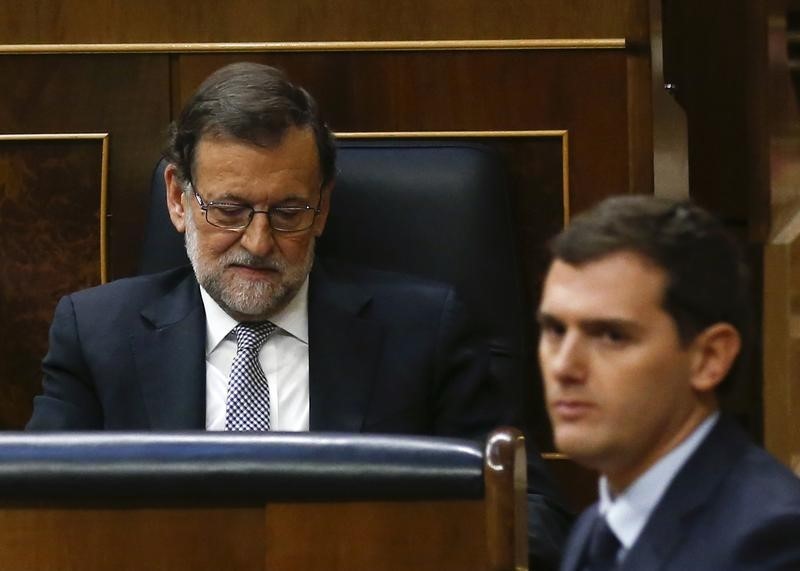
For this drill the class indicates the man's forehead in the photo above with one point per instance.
(221, 156)
(300, 138)
(616, 286)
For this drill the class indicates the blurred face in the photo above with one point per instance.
(617, 380)
(254, 272)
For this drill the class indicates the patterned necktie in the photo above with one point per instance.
(247, 404)
(603, 547)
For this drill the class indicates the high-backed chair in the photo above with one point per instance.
(437, 209)
(283, 502)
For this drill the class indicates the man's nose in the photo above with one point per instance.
(568, 360)
(257, 238)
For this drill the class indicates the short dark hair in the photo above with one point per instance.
(707, 278)
(250, 102)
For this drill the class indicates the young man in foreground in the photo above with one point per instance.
(643, 319)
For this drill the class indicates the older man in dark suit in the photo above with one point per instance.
(251, 337)
(643, 316)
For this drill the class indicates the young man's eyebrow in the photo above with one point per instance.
(595, 324)
(544, 318)
(605, 324)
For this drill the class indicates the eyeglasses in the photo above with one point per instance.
(235, 216)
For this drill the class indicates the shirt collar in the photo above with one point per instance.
(292, 319)
(628, 512)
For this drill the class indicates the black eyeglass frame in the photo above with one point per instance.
(204, 206)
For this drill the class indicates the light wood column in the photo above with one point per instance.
(781, 340)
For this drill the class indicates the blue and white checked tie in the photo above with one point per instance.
(247, 403)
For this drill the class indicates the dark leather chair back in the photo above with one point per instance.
(162, 246)
(437, 209)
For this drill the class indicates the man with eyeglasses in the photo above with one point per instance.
(251, 337)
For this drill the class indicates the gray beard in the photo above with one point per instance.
(246, 300)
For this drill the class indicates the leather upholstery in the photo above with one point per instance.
(268, 466)
(438, 210)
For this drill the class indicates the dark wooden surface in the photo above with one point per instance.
(113, 21)
(715, 53)
(50, 240)
(120, 538)
(347, 536)
(429, 536)
(506, 500)
(126, 96)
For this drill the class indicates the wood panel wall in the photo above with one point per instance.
(715, 59)
(122, 21)
(51, 242)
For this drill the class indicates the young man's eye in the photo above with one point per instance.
(552, 329)
(614, 336)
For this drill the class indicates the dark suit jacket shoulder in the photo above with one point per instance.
(118, 348)
(402, 351)
(731, 506)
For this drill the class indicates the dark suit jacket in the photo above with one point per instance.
(387, 354)
(731, 507)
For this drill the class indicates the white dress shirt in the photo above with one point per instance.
(283, 358)
(628, 512)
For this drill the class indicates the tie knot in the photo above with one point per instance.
(251, 335)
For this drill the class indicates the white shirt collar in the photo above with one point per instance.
(292, 319)
(628, 512)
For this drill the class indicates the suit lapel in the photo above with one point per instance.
(573, 553)
(693, 486)
(344, 348)
(169, 352)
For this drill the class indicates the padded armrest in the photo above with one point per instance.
(224, 466)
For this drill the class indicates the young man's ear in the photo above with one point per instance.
(175, 198)
(714, 351)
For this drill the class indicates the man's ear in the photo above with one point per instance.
(175, 198)
(324, 207)
(714, 351)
